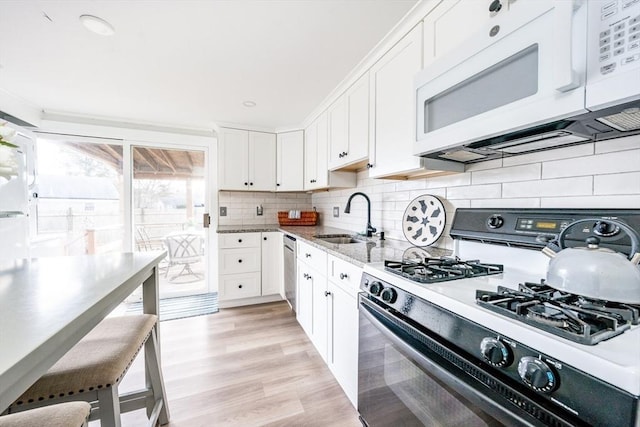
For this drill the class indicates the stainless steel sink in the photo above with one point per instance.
(340, 239)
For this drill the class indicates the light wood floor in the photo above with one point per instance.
(249, 366)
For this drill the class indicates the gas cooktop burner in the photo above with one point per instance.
(432, 270)
(570, 316)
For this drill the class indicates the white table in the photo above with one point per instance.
(48, 304)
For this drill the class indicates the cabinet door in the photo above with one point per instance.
(310, 155)
(233, 158)
(262, 161)
(343, 340)
(290, 161)
(451, 23)
(272, 264)
(358, 113)
(304, 315)
(322, 154)
(393, 114)
(320, 327)
(338, 133)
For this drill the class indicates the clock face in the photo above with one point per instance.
(424, 220)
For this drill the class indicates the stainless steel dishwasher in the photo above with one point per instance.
(289, 248)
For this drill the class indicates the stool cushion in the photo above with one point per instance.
(69, 414)
(99, 360)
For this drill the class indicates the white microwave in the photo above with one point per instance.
(540, 74)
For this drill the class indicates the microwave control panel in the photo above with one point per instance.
(618, 34)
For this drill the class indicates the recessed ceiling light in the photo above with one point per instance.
(249, 104)
(97, 25)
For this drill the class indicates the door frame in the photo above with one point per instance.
(128, 145)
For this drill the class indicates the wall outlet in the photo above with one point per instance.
(259, 210)
(223, 211)
(336, 211)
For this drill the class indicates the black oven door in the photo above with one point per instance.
(403, 381)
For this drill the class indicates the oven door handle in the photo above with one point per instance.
(468, 391)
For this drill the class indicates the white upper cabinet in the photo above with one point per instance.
(290, 161)
(247, 160)
(451, 23)
(358, 109)
(262, 161)
(338, 132)
(349, 127)
(311, 156)
(316, 153)
(233, 155)
(392, 111)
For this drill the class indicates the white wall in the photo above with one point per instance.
(596, 175)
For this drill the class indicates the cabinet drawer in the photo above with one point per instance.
(239, 240)
(344, 274)
(315, 257)
(239, 260)
(236, 286)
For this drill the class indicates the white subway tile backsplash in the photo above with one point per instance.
(485, 191)
(621, 183)
(620, 161)
(601, 175)
(605, 202)
(532, 202)
(507, 174)
(438, 192)
(550, 187)
(241, 206)
(454, 180)
(620, 144)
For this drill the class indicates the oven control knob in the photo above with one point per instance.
(375, 288)
(495, 221)
(605, 229)
(537, 374)
(389, 295)
(496, 352)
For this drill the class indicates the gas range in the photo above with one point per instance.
(551, 352)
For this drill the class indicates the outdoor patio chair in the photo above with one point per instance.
(184, 249)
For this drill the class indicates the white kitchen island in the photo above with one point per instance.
(48, 304)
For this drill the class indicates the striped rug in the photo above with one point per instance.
(181, 307)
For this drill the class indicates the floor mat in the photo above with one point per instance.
(181, 307)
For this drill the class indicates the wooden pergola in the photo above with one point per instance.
(149, 162)
(152, 163)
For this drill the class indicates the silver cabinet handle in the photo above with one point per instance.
(343, 276)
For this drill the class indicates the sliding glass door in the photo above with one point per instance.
(99, 195)
(169, 199)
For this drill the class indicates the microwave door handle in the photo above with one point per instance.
(565, 78)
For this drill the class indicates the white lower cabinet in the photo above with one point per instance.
(344, 282)
(328, 312)
(343, 344)
(312, 295)
(250, 268)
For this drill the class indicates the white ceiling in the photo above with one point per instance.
(188, 63)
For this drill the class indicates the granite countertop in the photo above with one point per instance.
(369, 251)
